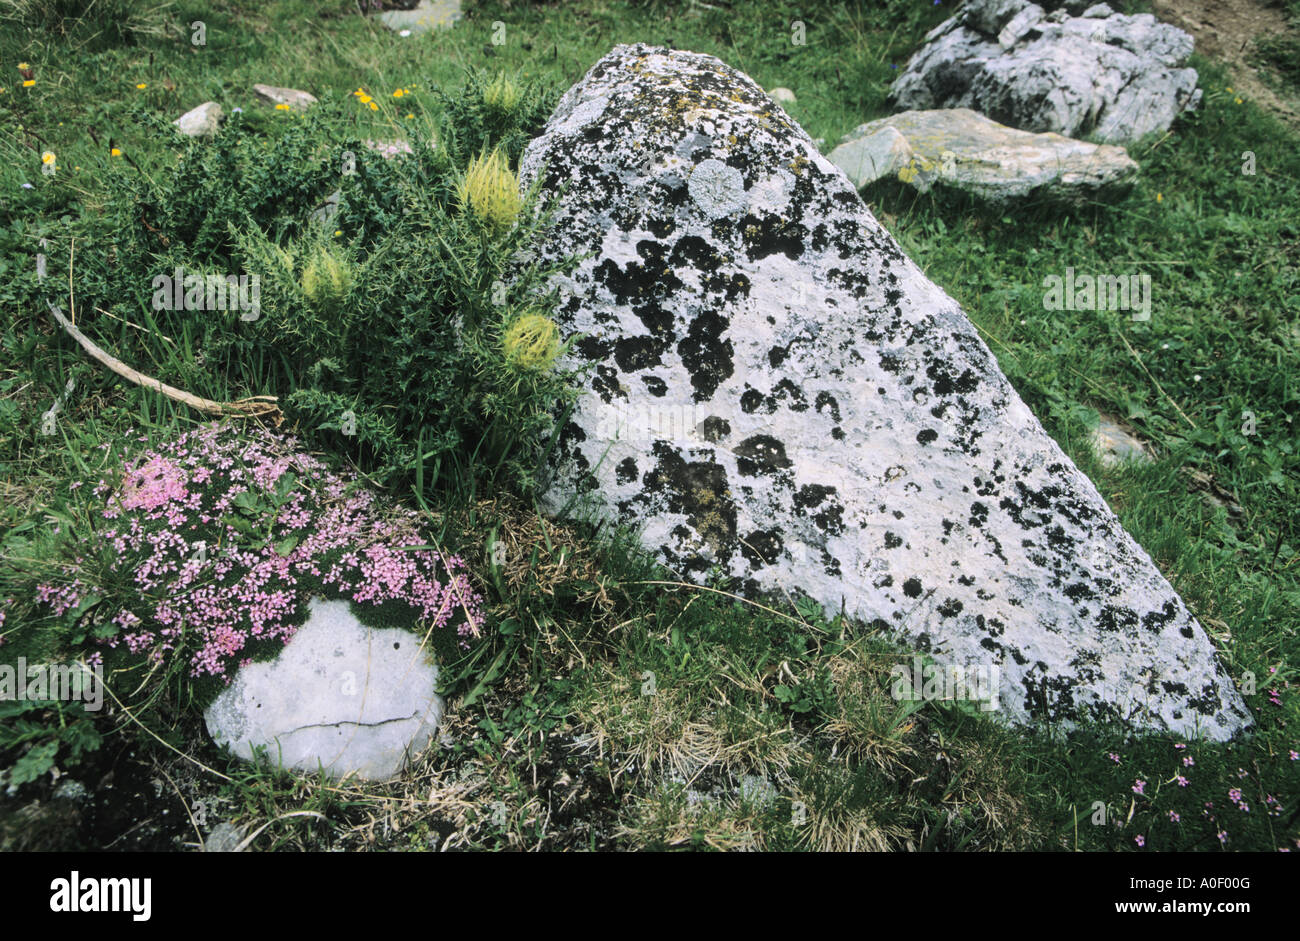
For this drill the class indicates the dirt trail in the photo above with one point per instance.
(1226, 30)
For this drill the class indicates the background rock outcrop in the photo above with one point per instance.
(1100, 74)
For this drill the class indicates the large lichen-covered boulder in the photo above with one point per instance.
(1100, 73)
(778, 396)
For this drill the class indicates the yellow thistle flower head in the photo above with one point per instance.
(326, 277)
(490, 190)
(531, 343)
(501, 94)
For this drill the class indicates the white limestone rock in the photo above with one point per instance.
(295, 99)
(777, 395)
(203, 121)
(426, 16)
(1116, 444)
(1101, 74)
(964, 150)
(341, 697)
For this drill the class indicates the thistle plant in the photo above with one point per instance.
(531, 343)
(489, 190)
(501, 95)
(327, 277)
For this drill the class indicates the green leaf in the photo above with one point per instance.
(38, 760)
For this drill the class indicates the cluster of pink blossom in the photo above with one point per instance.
(224, 535)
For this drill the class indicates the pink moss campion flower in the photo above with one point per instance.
(152, 484)
(1139, 786)
(1140, 840)
(223, 536)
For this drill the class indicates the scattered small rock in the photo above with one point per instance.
(427, 15)
(324, 213)
(203, 121)
(295, 99)
(781, 95)
(964, 150)
(1115, 444)
(341, 697)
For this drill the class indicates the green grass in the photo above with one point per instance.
(609, 711)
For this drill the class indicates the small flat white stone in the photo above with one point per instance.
(342, 697)
(203, 121)
(295, 99)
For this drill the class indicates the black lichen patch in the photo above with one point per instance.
(698, 490)
(760, 454)
(762, 547)
(714, 429)
(912, 588)
(707, 353)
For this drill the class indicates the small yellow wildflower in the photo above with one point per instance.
(399, 93)
(338, 232)
(142, 85)
(1228, 89)
(47, 157)
(1160, 197)
(408, 117)
(282, 107)
(115, 152)
(29, 83)
(24, 65)
(373, 106)
(1238, 101)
